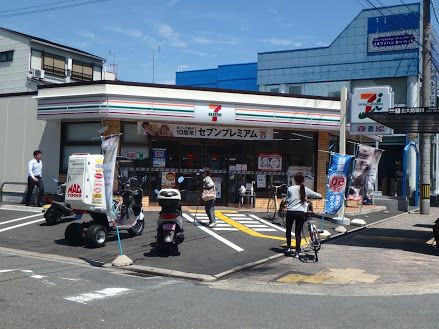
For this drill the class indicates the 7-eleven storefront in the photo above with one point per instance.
(171, 131)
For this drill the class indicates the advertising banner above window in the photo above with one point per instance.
(368, 100)
(270, 161)
(211, 132)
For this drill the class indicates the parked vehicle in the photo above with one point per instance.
(170, 222)
(56, 208)
(126, 214)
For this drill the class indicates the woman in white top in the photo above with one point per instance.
(296, 209)
(209, 187)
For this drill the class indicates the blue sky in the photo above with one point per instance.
(190, 34)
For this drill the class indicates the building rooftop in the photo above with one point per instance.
(51, 43)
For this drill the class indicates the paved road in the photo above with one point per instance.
(38, 293)
(238, 238)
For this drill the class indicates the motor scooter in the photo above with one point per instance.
(170, 222)
(55, 205)
(126, 213)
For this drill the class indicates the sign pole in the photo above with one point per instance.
(342, 141)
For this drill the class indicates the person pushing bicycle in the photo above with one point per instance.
(297, 208)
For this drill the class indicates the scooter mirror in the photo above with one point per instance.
(180, 179)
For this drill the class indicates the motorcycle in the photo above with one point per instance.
(55, 205)
(170, 222)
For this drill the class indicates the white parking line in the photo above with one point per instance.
(264, 229)
(19, 225)
(267, 223)
(100, 294)
(18, 219)
(216, 236)
(216, 228)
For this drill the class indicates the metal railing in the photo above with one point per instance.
(8, 183)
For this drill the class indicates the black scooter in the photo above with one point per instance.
(58, 208)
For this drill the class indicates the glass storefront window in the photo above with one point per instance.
(191, 156)
(216, 156)
(81, 132)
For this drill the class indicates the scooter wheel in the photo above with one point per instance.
(96, 236)
(52, 217)
(74, 234)
(137, 229)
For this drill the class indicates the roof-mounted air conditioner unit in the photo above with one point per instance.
(38, 74)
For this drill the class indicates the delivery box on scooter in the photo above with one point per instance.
(85, 186)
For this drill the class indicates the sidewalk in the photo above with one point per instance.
(395, 253)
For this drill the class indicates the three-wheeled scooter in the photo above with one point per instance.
(85, 192)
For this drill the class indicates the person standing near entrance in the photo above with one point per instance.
(296, 209)
(208, 195)
(35, 178)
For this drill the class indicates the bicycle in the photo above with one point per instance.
(273, 208)
(310, 234)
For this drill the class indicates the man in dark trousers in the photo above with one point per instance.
(35, 178)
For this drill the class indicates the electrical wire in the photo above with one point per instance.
(36, 6)
(43, 10)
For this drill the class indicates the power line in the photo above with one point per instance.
(42, 10)
(36, 6)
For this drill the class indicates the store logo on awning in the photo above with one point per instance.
(215, 114)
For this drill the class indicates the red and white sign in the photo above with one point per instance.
(270, 161)
(337, 183)
(74, 191)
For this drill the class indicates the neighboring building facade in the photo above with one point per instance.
(234, 76)
(379, 47)
(27, 62)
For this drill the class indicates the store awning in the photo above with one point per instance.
(409, 119)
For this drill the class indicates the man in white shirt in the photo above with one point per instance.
(35, 178)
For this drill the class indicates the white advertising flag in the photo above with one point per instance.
(109, 150)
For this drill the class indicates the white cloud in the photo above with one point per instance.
(218, 39)
(278, 42)
(133, 33)
(166, 32)
(194, 52)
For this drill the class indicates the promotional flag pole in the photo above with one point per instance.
(326, 187)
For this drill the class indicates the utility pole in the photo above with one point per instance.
(424, 138)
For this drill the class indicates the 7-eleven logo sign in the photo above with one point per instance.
(215, 114)
(372, 102)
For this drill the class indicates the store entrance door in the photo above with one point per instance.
(215, 157)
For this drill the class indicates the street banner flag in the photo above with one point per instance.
(109, 150)
(365, 172)
(337, 178)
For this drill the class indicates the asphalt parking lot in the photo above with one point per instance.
(238, 239)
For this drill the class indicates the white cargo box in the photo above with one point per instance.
(85, 186)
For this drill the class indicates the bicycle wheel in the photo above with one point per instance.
(271, 208)
(315, 240)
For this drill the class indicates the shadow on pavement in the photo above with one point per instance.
(407, 240)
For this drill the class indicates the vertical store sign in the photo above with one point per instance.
(368, 100)
(337, 178)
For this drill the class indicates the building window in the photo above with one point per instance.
(82, 71)
(295, 90)
(273, 89)
(78, 137)
(54, 64)
(7, 56)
